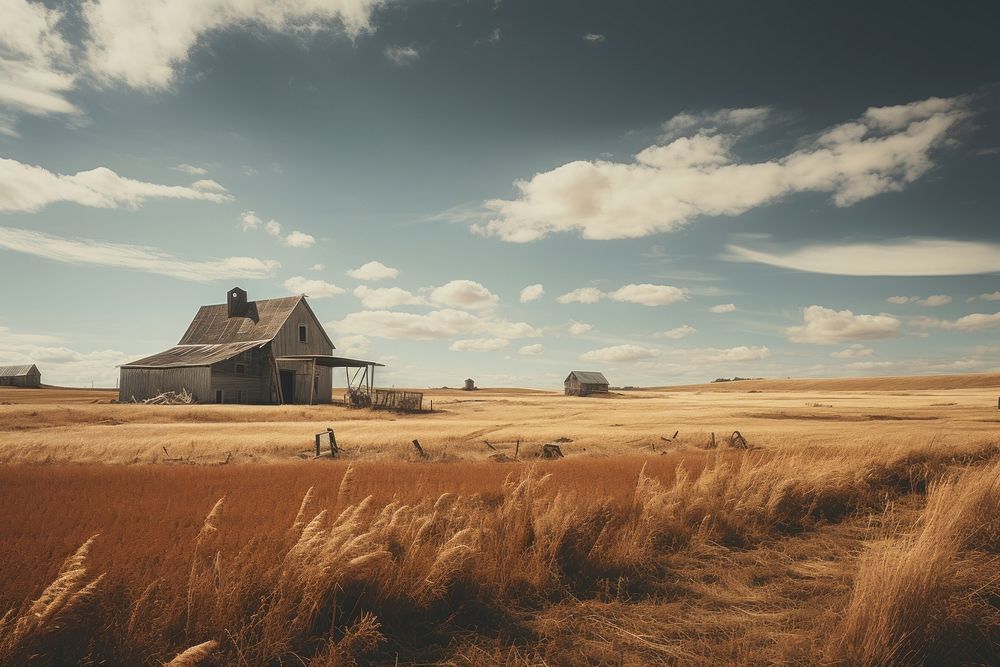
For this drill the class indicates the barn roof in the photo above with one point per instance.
(588, 377)
(212, 325)
(17, 371)
(181, 356)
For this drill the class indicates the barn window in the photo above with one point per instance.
(219, 395)
(302, 333)
(240, 397)
(241, 368)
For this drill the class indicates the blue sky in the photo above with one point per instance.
(507, 190)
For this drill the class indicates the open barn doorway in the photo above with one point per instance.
(288, 386)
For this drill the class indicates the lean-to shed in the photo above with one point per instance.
(26, 375)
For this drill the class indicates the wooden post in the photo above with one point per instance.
(318, 435)
(713, 439)
(277, 380)
(517, 448)
(312, 382)
(333, 443)
(420, 450)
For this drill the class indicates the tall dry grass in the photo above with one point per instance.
(337, 574)
(932, 597)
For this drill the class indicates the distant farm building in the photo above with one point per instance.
(20, 376)
(264, 352)
(470, 385)
(584, 383)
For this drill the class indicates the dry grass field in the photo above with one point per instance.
(862, 528)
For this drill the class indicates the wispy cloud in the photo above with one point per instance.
(435, 325)
(28, 188)
(593, 38)
(904, 257)
(401, 55)
(670, 184)
(317, 289)
(973, 322)
(134, 257)
(645, 294)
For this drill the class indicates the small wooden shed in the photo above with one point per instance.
(584, 383)
(27, 375)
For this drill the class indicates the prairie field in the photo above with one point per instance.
(861, 527)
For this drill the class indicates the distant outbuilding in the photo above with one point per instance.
(584, 383)
(20, 376)
(470, 385)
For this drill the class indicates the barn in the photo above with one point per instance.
(27, 375)
(269, 351)
(584, 383)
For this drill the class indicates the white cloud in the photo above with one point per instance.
(579, 328)
(316, 289)
(648, 295)
(58, 364)
(273, 228)
(208, 185)
(669, 185)
(532, 293)
(712, 355)
(620, 353)
(435, 325)
(867, 365)
(143, 44)
(134, 257)
(532, 350)
(35, 63)
(191, 169)
(373, 271)
(904, 257)
(931, 301)
(853, 352)
(743, 121)
(723, 308)
(479, 345)
(386, 297)
(249, 220)
(973, 322)
(317, 267)
(27, 188)
(401, 55)
(992, 296)
(353, 346)
(464, 294)
(299, 239)
(582, 295)
(593, 38)
(678, 332)
(828, 326)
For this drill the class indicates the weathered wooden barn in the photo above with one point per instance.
(269, 351)
(584, 383)
(27, 375)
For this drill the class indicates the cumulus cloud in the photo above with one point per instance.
(973, 322)
(401, 55)
(59, 364)
(373, 271)
(190, 169)
(743, 121)
(298, 239)
(273, 228)
(712, 355)
(316, 289)
(36, 69)
(931, 301)
(620, 354)
(670, 184)
(582, 295)
(134, 257)
(903, 257)
(387, 297)
(464, 294)
(678, 332)
(435, 325)
(578, 328)
(532, 293)
(532, 350)
(479, 345)
(143, 44)
(27, 188)
(853, 352)
(991, 296)
(593, 38)
(353, 346)
(723, 308)
(899, 300)
(250, 220)
(317, 267)
(648, 295)
(828, 326)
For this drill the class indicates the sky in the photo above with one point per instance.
(667, 192)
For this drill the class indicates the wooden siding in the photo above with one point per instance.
(255, 381)
(574, 387)
(324, 392)
(29, 380)
(286, 342)
(143, 383)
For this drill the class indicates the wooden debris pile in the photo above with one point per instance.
(184, 397)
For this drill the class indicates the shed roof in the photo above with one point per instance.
(212, 325)
(330, 361)
(181, 356)
(17, 371)
(588, 377)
